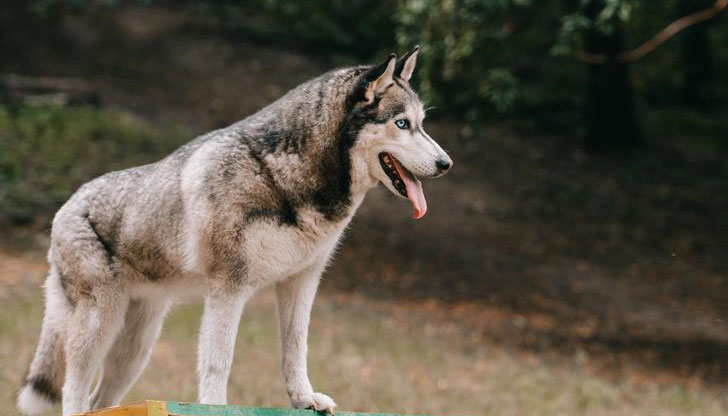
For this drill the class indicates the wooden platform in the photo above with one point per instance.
(162, 408)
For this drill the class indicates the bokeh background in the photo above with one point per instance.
(575, 261)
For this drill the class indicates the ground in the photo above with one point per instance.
(543, 280)
(373, 355)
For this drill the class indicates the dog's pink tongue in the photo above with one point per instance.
(414, 191)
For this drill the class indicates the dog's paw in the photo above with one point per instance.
(315, 401)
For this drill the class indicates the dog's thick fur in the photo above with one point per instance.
(263, 201)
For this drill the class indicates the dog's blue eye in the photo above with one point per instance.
(402, 123)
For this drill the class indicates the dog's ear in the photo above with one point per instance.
(406, 64)
(380, 78)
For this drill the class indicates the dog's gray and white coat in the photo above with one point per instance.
(263, 201)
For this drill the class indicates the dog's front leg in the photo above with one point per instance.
(218, 331)
(295, 299)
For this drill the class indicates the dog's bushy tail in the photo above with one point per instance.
(42, 386)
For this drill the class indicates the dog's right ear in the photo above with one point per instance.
(380, 78)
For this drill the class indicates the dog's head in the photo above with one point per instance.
(392, 146)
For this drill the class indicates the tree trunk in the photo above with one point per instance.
(611, 121)
(696, 56)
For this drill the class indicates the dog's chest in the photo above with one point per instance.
(275, 251)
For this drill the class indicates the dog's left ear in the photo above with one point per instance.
(380, 78)
(406, 64)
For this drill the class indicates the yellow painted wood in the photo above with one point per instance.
(156, 408)
(134, 409)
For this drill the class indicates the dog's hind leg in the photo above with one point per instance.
(295, 300)
(130, 352)
(91, 329)
(223, 307)
(98, 297)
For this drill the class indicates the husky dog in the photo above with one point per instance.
(263, 201)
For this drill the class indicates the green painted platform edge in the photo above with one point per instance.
(196, 409)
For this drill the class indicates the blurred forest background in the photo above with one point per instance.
(575, 261)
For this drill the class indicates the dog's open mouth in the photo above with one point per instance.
(405, 183)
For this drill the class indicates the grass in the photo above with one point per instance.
(46, 152)
(370, 356)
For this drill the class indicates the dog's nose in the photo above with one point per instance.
(443, 164)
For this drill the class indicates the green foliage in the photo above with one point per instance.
(611, 14)
(500, 87)
(569, 40)
(49, 8)
(480, 59)
(458, 38)
(47, 152)
(455, 37)
(351, 26)
(614, 12)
